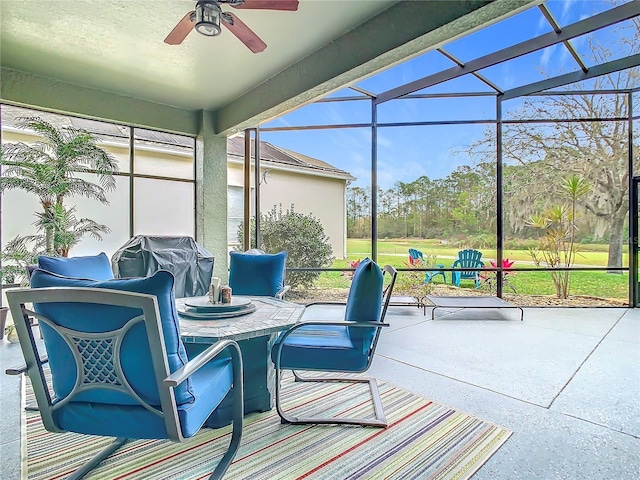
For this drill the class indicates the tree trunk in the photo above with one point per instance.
(615, 241)
(48, 235)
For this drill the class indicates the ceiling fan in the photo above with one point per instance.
(208, 15)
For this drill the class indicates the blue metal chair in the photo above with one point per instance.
(118, 365)
(255, 272)
(346, 346)
(468, 258)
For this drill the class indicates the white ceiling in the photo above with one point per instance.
(117, 45)
(107, 59)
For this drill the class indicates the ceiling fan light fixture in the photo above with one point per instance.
(208, 18)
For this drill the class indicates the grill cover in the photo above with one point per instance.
(191, 265)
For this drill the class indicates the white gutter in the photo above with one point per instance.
(297, 169)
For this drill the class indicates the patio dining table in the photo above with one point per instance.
(255, 333)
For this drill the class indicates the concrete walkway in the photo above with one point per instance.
(566, 381)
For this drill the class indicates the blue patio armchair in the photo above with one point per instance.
(118, 366)
(255, 272)
(346, 346)
(468, 258)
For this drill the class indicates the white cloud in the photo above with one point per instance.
(567, 6)
(545, 58)
(384, 141)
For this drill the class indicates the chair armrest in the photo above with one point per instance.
(344, 323)
(184, 372)
(23, 368)
(457, 262)
(280, 293)
(324, 303)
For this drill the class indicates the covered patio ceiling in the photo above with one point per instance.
(107, 60)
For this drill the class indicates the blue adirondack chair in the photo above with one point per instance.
(417, 256)
(468, 258)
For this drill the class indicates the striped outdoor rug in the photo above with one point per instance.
(424, 440)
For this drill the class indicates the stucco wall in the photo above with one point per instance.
(167, 207)
(161, 207)
(323, 197)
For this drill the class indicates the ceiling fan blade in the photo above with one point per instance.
(244, 33)
(181, 30)
(291, 5)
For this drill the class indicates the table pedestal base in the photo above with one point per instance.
(259, 377)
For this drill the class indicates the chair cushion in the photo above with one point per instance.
(320, 347)
(210, 384)
(135, 358)
(257, 273)
(96, 267)
(364, 302)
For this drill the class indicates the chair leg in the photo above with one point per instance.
(379, 421)
(238, 416)
(93, 463)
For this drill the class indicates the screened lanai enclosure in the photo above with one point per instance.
(519, 141)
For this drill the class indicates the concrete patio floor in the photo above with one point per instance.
(566, 381)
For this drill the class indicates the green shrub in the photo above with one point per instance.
(519, 243)
(302, 236)
(482, 240)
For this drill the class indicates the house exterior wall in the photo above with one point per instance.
(165, 207)
(323, 197)
(161, 207)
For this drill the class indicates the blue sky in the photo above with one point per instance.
(406, 153)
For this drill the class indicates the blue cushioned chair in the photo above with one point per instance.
(95, 267)
(118, 366)
(346, 346)
(257, 273)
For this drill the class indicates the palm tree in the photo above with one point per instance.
(14, 260)
(68, 230)
(49, 169)
(557, 248)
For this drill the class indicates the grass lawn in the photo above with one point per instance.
(395, 252)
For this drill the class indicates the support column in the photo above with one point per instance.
(211, 194)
